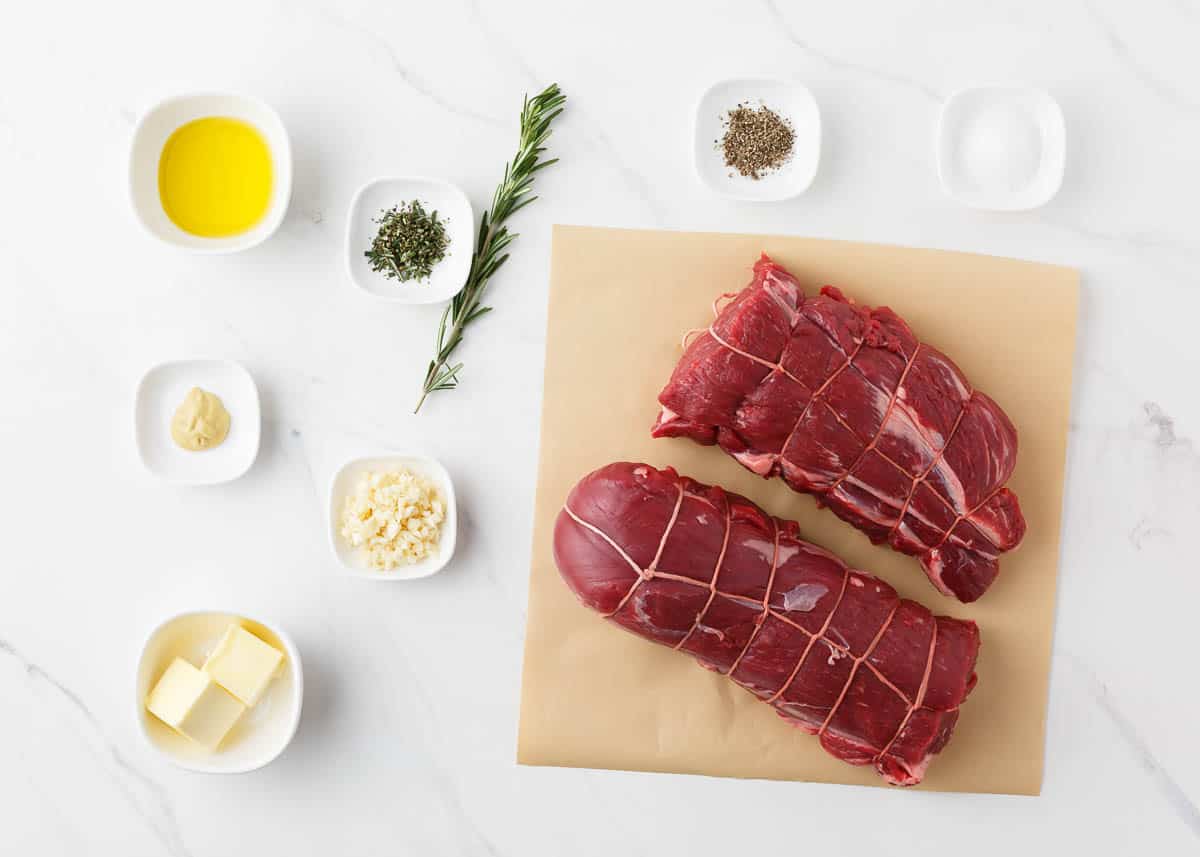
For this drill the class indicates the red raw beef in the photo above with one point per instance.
(835, 651)
(843, 402)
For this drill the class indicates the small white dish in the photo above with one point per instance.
(160, 393)
(789, 99)
(263, 731)
(452, 206)
(343, 483)
(1001, 148)
(151, 133)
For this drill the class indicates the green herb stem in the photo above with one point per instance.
(512, 194)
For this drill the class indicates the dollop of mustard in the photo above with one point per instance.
(200, 422)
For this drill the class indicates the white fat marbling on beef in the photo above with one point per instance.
(786, 296)
(884, 513)
(915, 773)
(787, 550)
(804, 597)
(760, 463)
(906, 536)
(949, 484)
(763, 548)
(639, 610)
(906, 428)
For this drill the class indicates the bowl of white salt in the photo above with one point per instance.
(1001, 148)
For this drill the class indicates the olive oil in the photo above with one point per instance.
(214, 177)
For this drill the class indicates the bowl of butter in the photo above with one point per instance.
(218, 692)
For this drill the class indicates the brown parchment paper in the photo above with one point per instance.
(596, 696)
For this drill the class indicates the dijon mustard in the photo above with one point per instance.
(200, 422)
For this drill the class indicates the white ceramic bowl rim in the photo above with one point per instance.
(780, 185)
(448, 277)
(1046, 184)
(242, 372)
(297, 667)
(281, 153)
(398, 574)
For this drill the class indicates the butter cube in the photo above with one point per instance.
(243, 664)
(189, 701)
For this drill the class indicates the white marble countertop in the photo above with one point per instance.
(407, 742)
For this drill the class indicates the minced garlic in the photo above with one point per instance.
(394, 517)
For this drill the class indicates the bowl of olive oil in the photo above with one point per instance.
(210, 172)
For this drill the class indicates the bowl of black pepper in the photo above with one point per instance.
(757, 138)
(409, 239)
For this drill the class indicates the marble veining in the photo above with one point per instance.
(1183, 805)
(779, 19)
(147, 797)
(1166, 90)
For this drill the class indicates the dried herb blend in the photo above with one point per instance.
(409, 243)
(757, 140)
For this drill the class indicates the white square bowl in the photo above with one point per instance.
(343, 483)
(161, 391)
(789, 99)
(451, 204)
(990, 131)
(149, 137)
(261, 734)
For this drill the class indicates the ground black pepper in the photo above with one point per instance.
(757, 140)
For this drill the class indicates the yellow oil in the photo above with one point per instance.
(214, 177)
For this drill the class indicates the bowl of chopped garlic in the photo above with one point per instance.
(392, 517)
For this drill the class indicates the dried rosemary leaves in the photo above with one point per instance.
(409, 243)
(757, 140)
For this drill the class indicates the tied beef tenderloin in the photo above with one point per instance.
(843, 402)
(835, 651)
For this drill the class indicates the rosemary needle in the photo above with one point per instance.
(512, 194)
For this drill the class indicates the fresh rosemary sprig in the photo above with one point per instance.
(512, 194)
